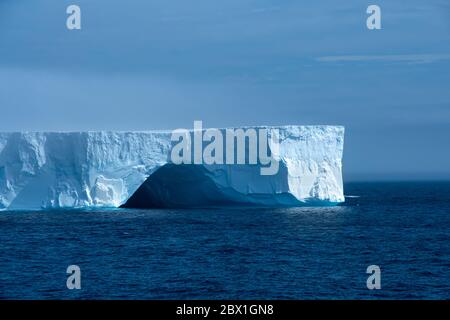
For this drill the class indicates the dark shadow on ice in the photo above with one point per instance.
(194, 186)
(188, 186)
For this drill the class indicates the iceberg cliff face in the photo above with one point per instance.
(41, 170)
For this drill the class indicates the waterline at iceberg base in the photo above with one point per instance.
(51, 170)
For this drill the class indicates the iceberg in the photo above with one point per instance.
(52, 170)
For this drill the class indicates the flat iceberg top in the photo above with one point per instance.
(40, 170)
(169, 131)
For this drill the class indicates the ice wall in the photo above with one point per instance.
(41, 170)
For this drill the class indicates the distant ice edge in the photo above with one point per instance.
(52, 170)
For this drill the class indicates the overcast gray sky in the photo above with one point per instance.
(142, 65)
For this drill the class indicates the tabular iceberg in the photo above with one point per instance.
(45, 170)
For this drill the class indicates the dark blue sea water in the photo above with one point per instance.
(295, 253)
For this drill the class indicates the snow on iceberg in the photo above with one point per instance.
(43, 170)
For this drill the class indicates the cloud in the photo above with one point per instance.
(408, 58)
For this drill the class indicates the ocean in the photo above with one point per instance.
(237, 253)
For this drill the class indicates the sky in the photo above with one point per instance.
(161, 64)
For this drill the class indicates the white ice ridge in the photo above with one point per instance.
(51, 170)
